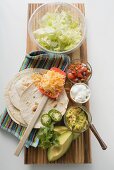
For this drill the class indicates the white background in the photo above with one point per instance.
(100, 39)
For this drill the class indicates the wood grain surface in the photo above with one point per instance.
(80, 150)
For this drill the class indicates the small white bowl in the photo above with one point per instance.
(78, 85)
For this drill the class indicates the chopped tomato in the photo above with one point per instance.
(84, 69)
(71, 76)
(74, 72)
(79, 66)
(78, 72)
(80, 75)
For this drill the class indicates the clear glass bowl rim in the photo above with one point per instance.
(88, 65)
(56, 52)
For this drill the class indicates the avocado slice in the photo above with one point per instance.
(60, 129)
(55, 152)
(63, 129)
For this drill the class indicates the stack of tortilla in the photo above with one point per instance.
(23, 97)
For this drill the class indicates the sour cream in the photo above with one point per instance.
(80, 93)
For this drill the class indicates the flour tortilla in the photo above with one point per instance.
(12, 94)
(20, 83)
(30, 100)
(13, 111)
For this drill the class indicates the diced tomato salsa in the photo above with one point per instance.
(78, 72)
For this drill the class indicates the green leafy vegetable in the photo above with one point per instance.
(58, 31)
(48, 137)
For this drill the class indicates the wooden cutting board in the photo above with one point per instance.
(80, 150)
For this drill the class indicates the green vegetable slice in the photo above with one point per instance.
(46, 120)
(55, 115)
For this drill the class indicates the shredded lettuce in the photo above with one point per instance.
(58, 31)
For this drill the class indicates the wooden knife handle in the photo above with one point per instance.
(100, 140)
(31, 125)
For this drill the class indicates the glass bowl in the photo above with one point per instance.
(76, 62)
(89, 118)
(52, 7)
(80, 102)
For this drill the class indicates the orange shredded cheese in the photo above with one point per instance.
(36, 77)
(50, 82)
